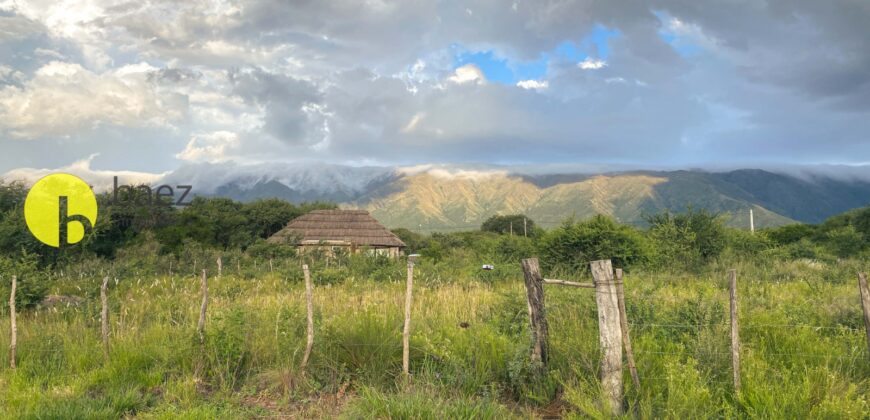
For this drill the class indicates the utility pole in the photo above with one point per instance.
(751, 221)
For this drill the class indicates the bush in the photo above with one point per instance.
(518, 224)
(790, 234)
(31, 282)
(574, 244)
(673, 245)
(708, 233)
(748, 244)
(844, 241)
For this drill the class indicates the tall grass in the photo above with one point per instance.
(804, 353)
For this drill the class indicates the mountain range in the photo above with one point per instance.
(437, 198)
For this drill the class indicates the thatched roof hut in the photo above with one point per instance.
(355, 229)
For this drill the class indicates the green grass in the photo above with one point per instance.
(804, 351)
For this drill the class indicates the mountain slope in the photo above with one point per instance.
(455, 199)
(426, 202)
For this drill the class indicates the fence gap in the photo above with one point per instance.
(623, 323)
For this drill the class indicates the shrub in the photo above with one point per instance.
(518, 224)
(746, 243)
(844, 241)
(790, 234)
(31, 283)
(673, 245)
(574, 244)
(709, 237)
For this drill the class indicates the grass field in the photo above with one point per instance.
(804, 350)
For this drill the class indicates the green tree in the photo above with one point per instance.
(708, 233)
(212, 222)
(574, 244)
(267, 216)
(509, 223)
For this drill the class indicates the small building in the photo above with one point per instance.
(332, 230)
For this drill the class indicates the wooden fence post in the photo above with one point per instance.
(735, 330)
(406, 331)
(104, 317)
(13, 340)
(220, 266)
(200, 327)
(609, 333)
(309, 307)
(865, 305)
(537, 314)
(623, 323)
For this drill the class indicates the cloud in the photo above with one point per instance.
(592, 64)
(101, 180)
(467, 74)
(533, 84)
(65, 98)
(210, 147)
(151, 85)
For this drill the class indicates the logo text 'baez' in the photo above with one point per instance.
(60, 209)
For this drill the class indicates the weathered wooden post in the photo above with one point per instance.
(104, 317)
(220, 266)
(309, 307)
(865, 305)
(537, 315)
(200, 326)
(735, 330)
(13, 339)
(623, 323)
(406, 331)
(609, 333)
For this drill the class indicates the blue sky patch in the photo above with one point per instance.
(502, 70)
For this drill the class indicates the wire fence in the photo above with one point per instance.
(758, 350)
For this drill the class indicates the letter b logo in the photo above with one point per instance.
(60, 209)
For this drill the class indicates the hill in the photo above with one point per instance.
(456, 199)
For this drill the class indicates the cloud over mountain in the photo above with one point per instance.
(150, 85)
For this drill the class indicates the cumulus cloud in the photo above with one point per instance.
(210, 147)
(381, 83)
(591, 64)
(64, 98)
(101, 180)
(533, 84)
(469, 73)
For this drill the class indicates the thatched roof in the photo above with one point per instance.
(350, 227)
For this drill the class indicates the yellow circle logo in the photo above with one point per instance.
(60, 209)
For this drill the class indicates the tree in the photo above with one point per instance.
(709, 238)
(212, 222)
(509, 223)
(574, 244)
(267, 216)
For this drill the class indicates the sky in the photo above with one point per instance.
(150, 86)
